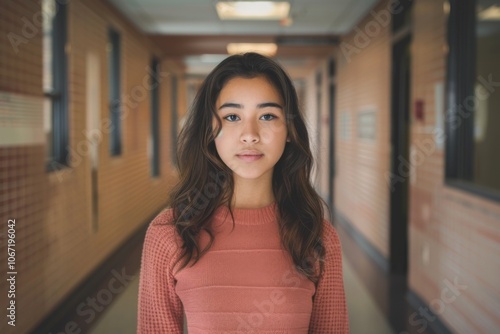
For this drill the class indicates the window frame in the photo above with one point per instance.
(59, 96)
(115, 103)
(155, 118)
(175, 119)
(460, 81)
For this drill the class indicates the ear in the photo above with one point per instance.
(287, 140)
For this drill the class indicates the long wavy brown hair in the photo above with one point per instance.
(205, 182)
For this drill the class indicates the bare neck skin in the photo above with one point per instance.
(253, 193)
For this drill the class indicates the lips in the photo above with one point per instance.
(249, 155)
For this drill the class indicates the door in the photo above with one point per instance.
(398, 262)
(331, 151)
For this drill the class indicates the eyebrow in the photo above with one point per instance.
(260, 105)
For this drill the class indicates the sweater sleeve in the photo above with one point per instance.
(329, 312)
(159, 308)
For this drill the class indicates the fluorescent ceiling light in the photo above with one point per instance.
(491, 13)
(266, 49)
(252, 10)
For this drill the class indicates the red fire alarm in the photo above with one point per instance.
(419, 110)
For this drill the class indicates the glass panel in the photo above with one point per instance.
(47, 127)
(114, 92)
(176, 123)
(487, 93)
(49, 10)
(155, 124)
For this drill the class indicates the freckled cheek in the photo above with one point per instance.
(273, 134)
(227, 133)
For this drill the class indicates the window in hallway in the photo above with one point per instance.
(55, 83)
(114, 92)
(155, 120)
(473, 120)
(175, 121)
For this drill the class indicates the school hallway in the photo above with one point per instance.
(401, 103)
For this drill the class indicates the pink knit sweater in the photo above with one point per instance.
(245, 283)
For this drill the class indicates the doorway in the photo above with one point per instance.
(400, 142)
(331, 139)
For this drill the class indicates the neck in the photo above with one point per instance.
(253, 193)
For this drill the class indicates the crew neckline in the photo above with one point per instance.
(255, 216)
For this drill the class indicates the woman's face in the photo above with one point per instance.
(254, 133)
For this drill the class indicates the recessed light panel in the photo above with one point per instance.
(252, 10)
(266, 49)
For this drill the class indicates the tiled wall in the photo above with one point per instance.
(363, 90)
(454, 236)
(57, 242)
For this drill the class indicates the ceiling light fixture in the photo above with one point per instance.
(252, 10)
(266, 49)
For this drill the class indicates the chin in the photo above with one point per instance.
(249, 175)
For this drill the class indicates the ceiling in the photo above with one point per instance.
(192, 31)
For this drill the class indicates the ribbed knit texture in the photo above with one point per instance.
(245, 283)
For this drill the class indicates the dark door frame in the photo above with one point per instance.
(400, 142)
(331, 151)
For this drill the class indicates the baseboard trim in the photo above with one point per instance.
(436, 324)
(64, 313)
(362, 241)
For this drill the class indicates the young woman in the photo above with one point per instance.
(243, 246)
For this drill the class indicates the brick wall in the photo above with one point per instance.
(57, 242)
(363, 88)
(454, 235)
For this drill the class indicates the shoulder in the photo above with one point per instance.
(165, 217)
(162, 236)
(331, 238)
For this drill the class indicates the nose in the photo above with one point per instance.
(250, 133)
